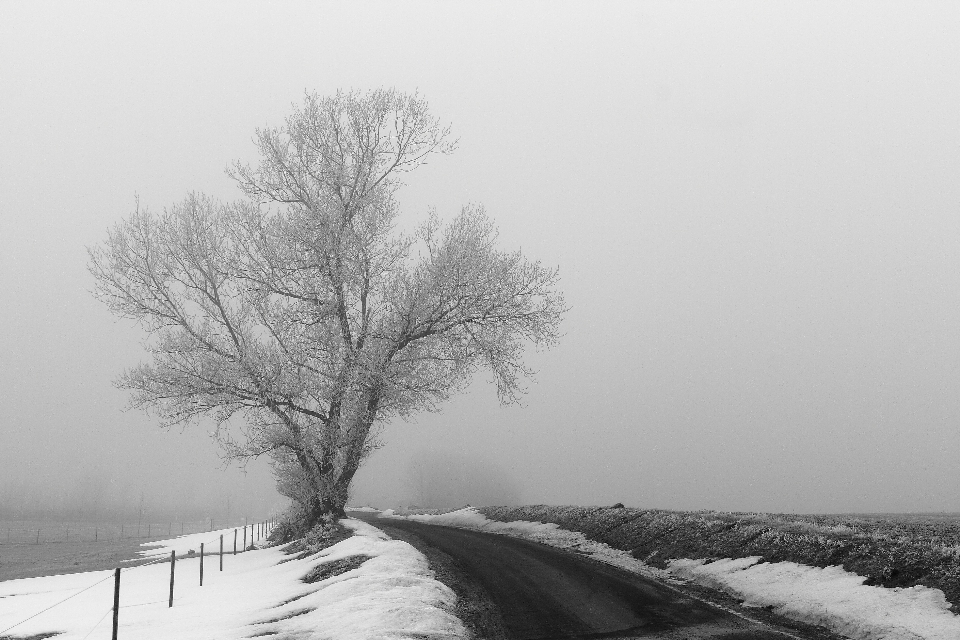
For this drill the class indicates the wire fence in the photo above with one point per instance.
(40, 532)
(243, 539)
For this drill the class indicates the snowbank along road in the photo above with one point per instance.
(544, 592)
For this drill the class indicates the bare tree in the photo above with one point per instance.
(300, 320)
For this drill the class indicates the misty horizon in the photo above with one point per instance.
(752, 207)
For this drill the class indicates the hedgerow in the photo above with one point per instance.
(889, 551)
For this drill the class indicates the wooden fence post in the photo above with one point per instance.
(221, 552)
(244, 537)
(234, 542)
(116, 601)
(173, 563)
(201, 564)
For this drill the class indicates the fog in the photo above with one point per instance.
(753, 207)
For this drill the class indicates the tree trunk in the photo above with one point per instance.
(330, 482)
(323, 508)
(329, 493)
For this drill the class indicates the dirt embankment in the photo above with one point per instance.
(890, 551)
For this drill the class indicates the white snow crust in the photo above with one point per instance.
(392, 595)
(830, 597)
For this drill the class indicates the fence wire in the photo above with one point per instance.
(105, 614)
(59, 603)
(160, 560)
(47, 532)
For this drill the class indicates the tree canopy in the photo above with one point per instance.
(299, 318)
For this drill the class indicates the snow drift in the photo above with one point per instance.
(392, 595)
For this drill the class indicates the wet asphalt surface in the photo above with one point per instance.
(543, 592)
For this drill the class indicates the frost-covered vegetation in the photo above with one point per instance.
(300, 320)
(889, 550)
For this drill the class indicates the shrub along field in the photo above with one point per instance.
(889, 550)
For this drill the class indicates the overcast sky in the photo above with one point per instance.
(754, 207)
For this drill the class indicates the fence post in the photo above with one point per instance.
(38, 536)
(96, 533)
(116, 601)
(149, 530)
(201, 564)
(244, 537)
(173, 563)
(221, 552)
(234, 542)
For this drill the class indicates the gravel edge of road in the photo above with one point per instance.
(475, 608)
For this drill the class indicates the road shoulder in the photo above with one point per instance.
(475, 608)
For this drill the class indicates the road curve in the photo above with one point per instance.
(543, 592)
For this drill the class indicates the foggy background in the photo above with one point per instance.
(753, 206)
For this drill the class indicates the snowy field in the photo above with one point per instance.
(391, 595)
(829, 597)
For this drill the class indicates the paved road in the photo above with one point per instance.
(543, 592)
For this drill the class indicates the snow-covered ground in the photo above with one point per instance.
(391, 595)
(831, 597)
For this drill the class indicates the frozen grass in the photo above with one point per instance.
(827, 596)
(391, 594)
(889, 551)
